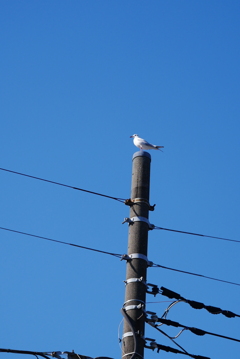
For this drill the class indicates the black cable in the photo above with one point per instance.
(195, 331)
(126, 317)
(166, 335)
(24, 352)
(64, 185)
(122, 200)
(195, 274)
(113, 254)
(197, 305)
(196, 234)
(57, 241)
(153, 345)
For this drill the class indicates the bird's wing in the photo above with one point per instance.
(144, 142)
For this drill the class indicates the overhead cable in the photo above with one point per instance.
(165, 334)
(47, 355)
(64, 185)
(193, 330)
(122, 200)
(197, 305)
(36, 354)
(195, 274)
(57, 241)
(197, 234)
(153, 345)
(124, 256)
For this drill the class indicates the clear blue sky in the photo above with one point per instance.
(77, 78)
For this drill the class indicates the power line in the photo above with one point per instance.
(197, 305)
(36, 354)
(124, 256)
(153, 345)
(193, 330)
(150, 322)
(64, 185)
(119, 199)
(197, 234)
(47, 355)
(62, 242)
(195, 274)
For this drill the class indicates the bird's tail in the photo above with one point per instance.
(158, 147)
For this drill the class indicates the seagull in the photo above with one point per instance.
(143, 144)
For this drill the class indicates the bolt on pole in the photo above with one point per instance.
(137, 263)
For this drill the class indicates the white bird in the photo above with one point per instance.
(143, 144)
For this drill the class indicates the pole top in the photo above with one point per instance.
(141, 153)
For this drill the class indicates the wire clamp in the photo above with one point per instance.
(138, 219)
(136, 256)
(152, 345)
(134, 280)
(132, 307)
(128, 334)
(128, 220)
(136, 300)
(154, 318)
(131, 201)
(155, 289)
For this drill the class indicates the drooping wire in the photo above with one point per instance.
(195, 274)
(64, 185)
(133, 332)
(169, 307)
(166, 335)
(125, 257)
(165, 316)
(62, 242)
(196, 234)
(119, 338)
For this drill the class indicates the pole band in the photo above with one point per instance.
(142, 219)
(140, 256)
(140, 200)
(134, 280)
(132, 307)
(130, 300)
(130, 221)
(128, 334)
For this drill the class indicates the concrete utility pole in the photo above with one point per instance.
(137, 262)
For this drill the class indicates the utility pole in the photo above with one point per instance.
(137, 262)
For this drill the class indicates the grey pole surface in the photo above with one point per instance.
(135, 294)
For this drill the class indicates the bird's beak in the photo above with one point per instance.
(131, 136)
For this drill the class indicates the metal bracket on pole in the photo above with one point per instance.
(131, 300)
(138, 219)
(155, 289)
(132, 201)
(128, 334)
(152, 345)
(137, 256)
(134, 280)
(131, 307)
